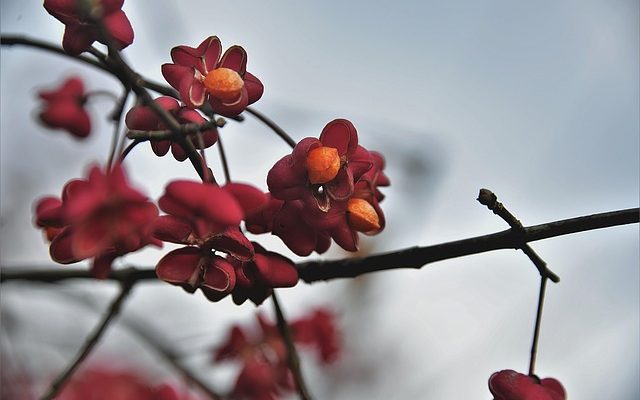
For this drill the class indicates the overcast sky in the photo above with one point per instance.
(538, 101)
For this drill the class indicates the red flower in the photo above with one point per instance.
(201, 74)
(79, 33)
(143, 118)
(318, 331)
(205, 217)
(101, 218)
(63, 108)
(285, 220)
(511, 385)
(257, 277)
(323, 169)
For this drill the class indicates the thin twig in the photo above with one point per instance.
(130, 147)
(536, 329)
(223, 159)
(412, 257)
(90, 343)
(116, 117)
(292, 354)
(279, 131)
(489, 199)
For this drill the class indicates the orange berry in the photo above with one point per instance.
(323, 164)
(362, 216)
(224, 84)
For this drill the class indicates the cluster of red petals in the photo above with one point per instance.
(143, 118)
(100, 383)
(63, 108)
(511, 385)
(194, 71)
(206, 218)
(265, 373)
(79, 33)
(100, 218)
(327, 188)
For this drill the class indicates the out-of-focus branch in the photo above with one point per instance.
(412, 257)
(292, 353)
(89, 345)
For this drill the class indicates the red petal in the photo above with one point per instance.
(61, 249)
(119, 27)
(180, 267)
(294, 232)
(340, 134)
(345, 237)
(360, 162)
(230, 109)
(233, 242)
(49, 212)
(276, 270)
(171, 229)
(78, 38)
(255, 89)
(235, 58)
(219, 276)
(250, 198)
(285, 181)
(341, 187)
(101, 265)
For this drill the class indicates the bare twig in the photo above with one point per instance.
(489, 199)
(412, 257)
(223, 160)
(292, 354)
(536, 329)
(89, 345)
(279, 131)
(116, 117)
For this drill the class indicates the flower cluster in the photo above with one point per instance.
(108, 383)
(265, 373)
(511, 385)
(98, 218)
(327, 188)
(63, 108)
(80, 33)
(205, 218)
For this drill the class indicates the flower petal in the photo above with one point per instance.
(171, 229)
(255, 89)
(119, 27)
(341, 187)
(250, 198)
(219, 276)
(235, 58)
(233, 242)
(180, 267)
(340, 134)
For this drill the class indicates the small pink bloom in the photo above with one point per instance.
(205, 74)
(143, 118)
(511, 385)
(318, 331)
(63, 108)
(79, 33)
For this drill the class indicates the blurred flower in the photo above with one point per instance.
(100, 383)
(63, 108)
(101, 218)
(145, 119)
(202, 74)
(511, 385)
(79, 33)
(265, 373)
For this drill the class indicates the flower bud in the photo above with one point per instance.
(323, 164)
(362, 216)
(224, 84)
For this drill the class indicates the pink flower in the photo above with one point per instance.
(318, 331)
(63, 108)
(143, 118)
(79, 33)
(205, 217)
(202, 74)
(511, 385)
(257, 277)
(101, 218)
(323, 169)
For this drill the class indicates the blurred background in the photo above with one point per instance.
(537, 101)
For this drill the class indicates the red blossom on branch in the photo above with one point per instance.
(511, 385)
(205, 74)
(206, 218)
(80, 32)
(100, 218)
(145, 119)
(63, 108)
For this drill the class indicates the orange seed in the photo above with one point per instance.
(224, 84)
(323, 164)
(362, 216)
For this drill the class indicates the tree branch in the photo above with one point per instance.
(92, 340)
(412, 257)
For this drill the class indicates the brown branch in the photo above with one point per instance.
(412, 257)
(90, 343)
(292, 354)
(489, 199)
